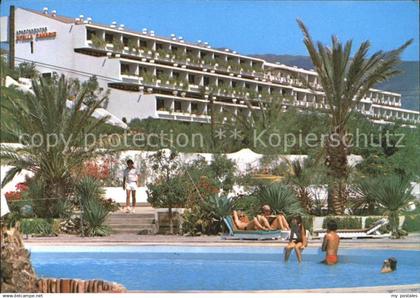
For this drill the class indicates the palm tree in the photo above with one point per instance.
(299, 181)
(393, 193)
(51, 133)
(345, 82)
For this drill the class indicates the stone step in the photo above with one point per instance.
(129, 221)
(131, 226)
(142, 204)
(131, 215)
(131, 230)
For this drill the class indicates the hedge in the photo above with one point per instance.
(39, 226)
(344, 222)
(308, 222)
(411, 223)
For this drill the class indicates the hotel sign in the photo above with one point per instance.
(34, 33)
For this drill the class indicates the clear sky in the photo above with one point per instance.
(254, 27)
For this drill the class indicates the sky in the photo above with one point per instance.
(254, 27)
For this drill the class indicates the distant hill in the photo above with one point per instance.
(407, 83)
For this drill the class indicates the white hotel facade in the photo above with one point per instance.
(169, 78)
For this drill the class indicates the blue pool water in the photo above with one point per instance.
(175, 268)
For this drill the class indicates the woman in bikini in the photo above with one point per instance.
(242, 222)
(297, 239)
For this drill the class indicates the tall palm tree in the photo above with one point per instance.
(51, 133)
(345, 82)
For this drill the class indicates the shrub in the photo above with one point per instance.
(98, 42)
(94, 212)
(281, 199)
(411, 223)
(118, 45)
(36, 226)
(307, 221)
(344, 222)
(218, 208)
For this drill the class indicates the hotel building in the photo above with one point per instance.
(168, 78)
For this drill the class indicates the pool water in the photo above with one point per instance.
(177, 268)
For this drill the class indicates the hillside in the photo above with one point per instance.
(407, 83)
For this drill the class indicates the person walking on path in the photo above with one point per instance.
(130, 184)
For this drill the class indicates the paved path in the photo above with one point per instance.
(411, 242)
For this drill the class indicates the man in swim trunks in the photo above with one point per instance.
(242, 222)
(278, 223)
(330, 243)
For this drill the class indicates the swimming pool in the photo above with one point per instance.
(177, 268)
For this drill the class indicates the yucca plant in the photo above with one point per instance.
(89, 192)
(218, 208)
(345, 81)
(393, 193)
(366, 199)
(280, 198)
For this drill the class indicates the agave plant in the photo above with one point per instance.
(89, 192)
(218, 208)
(366, 200)
(281, 199)
(393, 193)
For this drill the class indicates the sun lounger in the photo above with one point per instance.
(370, 232)
(235, 234)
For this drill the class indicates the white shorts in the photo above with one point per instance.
(131, 186)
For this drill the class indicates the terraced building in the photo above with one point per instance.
(170, 78)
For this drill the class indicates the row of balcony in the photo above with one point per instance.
(207, 64)
(179, 57)
(181, 86)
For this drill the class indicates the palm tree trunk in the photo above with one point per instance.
(304, 198)
(336, 161)
(394, 222)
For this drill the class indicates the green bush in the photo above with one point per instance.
(308, 222)
(344, 222)
(281, 199)
(94, 212)
(36, 226)
(411, 223)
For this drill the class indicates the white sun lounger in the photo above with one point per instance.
(371, 232)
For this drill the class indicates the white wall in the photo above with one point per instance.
(131, 105)
(57, 55)
(4, 29)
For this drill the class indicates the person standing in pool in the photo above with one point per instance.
(330, 243)
(297, 239)
(130, 182)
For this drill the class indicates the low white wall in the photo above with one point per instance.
(119, 195)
